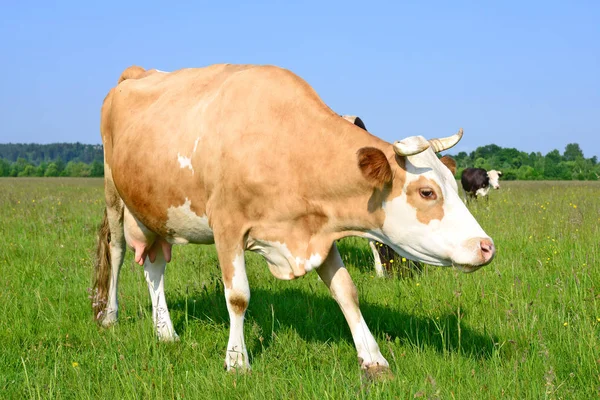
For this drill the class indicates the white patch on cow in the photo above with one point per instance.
(315, 261)
(279, 256)
(185, 162)
(184, 226)
(239, 280)
(482, 191)
(162, 72)
(451, 240)
(277, 253)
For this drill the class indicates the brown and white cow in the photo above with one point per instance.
(250, 158)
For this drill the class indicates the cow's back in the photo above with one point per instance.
(473, 179)
(225, 136)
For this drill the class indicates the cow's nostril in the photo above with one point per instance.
(487, 249)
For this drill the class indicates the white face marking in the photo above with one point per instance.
(185, 162)
(440, 242)
(494, 176)
(185, 226)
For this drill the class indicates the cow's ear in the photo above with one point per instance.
(374, 166)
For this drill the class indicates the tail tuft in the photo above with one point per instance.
(102, 270)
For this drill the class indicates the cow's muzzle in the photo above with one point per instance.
(482, 253)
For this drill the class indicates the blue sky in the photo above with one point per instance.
(522, 74)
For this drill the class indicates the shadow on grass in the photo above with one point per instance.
(316, 317)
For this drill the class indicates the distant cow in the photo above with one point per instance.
(383, 255)
(477, 182)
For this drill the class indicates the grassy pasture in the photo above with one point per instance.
(525, 327)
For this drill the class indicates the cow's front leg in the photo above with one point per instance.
(336, 277)
(155, 276)
(237, 296)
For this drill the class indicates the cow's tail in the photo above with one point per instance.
(102, 270)
(133, 72)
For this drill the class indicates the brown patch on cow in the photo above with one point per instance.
(238, 303)
(227, 271)
(312, 222)
(427, 209)
(450, 163)
(374, 166)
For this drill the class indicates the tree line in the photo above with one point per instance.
(519, 165)
(56, 159)
(82, 160)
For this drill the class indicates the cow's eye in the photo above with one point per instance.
(427, 193)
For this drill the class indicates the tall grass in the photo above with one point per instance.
(526, 326)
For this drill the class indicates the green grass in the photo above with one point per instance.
(526, 326)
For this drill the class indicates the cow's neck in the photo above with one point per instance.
(352, 204)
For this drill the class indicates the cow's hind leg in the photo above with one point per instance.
(154, 271)
(336, 277)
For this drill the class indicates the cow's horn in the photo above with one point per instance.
(411, 146)
(442, 144)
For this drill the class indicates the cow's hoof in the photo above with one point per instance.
(170, 337)
(377, 372)
(109, 320)
(237, 368)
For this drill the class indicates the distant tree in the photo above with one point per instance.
(29, 170)
(527, 173)
(60, 165)
(97, 168)
(52, 170)
(77, 169)
(572, 152)
(41, 169)
(4, 167)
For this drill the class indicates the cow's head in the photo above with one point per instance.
(424, 217)
(494, 178)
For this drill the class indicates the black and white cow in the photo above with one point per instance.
(477, 182)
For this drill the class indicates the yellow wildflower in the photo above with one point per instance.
(75, 364)
(566, 324)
